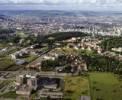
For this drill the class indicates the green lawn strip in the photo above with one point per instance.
(3, 83)
(105, 86)
(9, 51)
(5, 62)
(30, 58)
(3, 45)
(9, 95)
(75, 87)
(15, 67)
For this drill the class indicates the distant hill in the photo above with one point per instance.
(5, 17)
(40, 13)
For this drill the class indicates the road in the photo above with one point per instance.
(13, 74)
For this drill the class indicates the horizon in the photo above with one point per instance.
(16, 7)
(68, 5)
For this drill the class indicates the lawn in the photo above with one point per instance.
(11, 95)
(9, 50)
(30, 58)
(4, 83)
(3, 45)
(5, 63)
(75, 87)
(105, 86)
(5, 90)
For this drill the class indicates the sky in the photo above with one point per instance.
(113, 5)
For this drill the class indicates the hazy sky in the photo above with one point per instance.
(62, 4)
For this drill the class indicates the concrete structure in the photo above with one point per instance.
(85, 98)
(25, 84)
(32, 82)
(45, 86)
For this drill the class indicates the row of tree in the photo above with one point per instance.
(100, 63)
(111, 42)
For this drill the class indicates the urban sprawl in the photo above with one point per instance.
(60, 55)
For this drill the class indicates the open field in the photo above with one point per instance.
(76, 87)
(5, 62)
(100, 86)
(105, 86)
(30, 58)
(6, 89)
(11, 95)
(3, 45)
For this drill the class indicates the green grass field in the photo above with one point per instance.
(3, 45)
(100, 86)
(5, 63)
(105, 86)
(11, 95)
(75, 87)
(30, 58)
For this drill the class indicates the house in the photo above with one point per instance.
(20, 62)
(117, 49)
(48, 57)
(13, 57)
